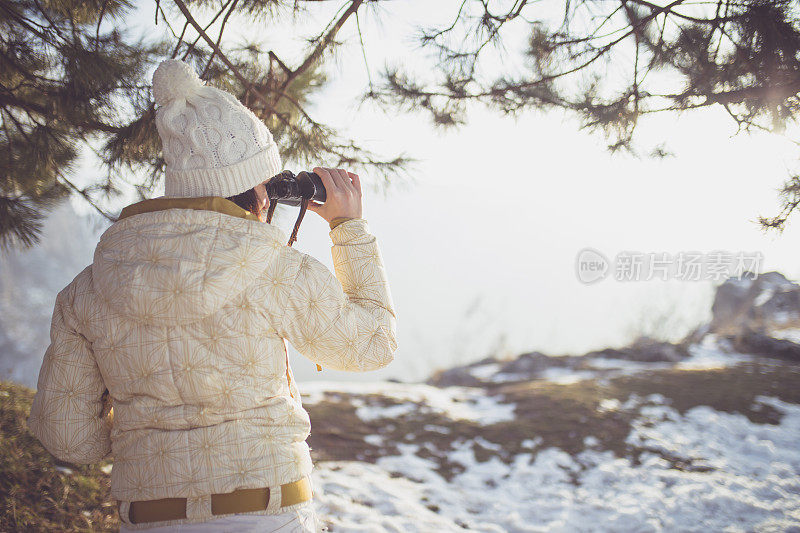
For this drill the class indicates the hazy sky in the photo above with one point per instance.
(480, 250)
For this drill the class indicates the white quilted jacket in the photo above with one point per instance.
(183, 317)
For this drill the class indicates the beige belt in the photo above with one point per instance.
(238, 501)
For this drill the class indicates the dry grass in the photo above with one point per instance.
(555, 415)
(34, 494)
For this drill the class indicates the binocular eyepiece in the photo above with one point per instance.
(286, 188)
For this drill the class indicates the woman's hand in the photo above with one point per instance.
(343, 194)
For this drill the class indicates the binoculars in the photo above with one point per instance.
(288, 189)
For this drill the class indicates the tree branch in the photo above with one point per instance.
(324, 43)
(222, 57)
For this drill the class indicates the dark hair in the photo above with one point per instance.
(248, 200)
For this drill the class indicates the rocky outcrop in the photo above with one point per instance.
(644, 350)
(532, 363)
(766, 304)
(479, 373)
(757, 343)
(756, 316)
(537, 365)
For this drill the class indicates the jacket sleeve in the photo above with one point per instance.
(67, 414)
(346, 322)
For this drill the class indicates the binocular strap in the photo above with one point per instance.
(303, 206)
(271, 211)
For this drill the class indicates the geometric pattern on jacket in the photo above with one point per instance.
(183, 317)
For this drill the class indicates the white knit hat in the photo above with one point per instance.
(213, 145)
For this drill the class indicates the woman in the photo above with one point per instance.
(182, 320)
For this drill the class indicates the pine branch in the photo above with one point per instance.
(86, 197)
(235, 71)
(324, 43)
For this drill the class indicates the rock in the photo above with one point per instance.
(731, 304)
(782, 307)
(696, 336)
(531, 363)
(644, 350)
(458, 376)
(768, 303)
(525, 366)
(758, 343)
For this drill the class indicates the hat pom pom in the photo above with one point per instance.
(174, 79)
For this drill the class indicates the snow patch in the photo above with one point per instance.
(565, 376)
(457, 403)
(369, 413)
(792, 335)
(754, 484)
(626, 365)
(706, 357)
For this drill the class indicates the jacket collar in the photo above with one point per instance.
(211, 203)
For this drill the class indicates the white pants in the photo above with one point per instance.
(302, 519)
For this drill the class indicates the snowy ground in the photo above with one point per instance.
(754, 484)
(732, 474)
